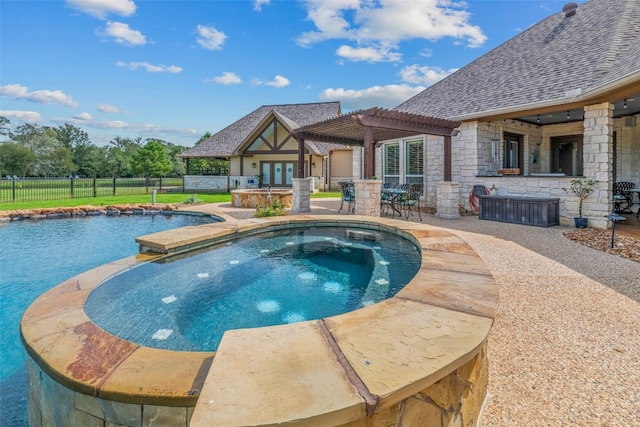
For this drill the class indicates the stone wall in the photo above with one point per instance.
(52, 404)
(455, 400)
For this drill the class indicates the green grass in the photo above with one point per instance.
(132, 199)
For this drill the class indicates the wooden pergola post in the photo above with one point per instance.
(447, 158)
(369, 167)
(300, 157)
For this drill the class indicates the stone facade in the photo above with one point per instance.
(368, 197)
(455, 400)
(448, 200)
(474, 163)
(301, 201)
(52, 404)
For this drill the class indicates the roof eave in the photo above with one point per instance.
(568, 102)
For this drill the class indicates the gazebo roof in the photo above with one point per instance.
(384, 125)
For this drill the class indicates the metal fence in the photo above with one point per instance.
(14, 189)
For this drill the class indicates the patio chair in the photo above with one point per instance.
(622, 197)
(386, 199)
(411, 200)
(348, 196)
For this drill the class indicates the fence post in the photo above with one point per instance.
(71, 185)
(114, 186)
(161, 184)
(13, 188)
(95, 190)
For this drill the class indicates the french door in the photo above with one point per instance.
(279, 174)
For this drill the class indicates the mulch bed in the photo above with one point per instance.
(626, 247)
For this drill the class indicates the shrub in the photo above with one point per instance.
(275, 209)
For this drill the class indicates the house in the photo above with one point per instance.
(560, 100)
(260, 145)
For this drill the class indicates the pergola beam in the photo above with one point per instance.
(368, 127)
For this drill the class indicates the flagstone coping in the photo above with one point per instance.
(329, 371)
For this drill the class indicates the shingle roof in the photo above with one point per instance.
(598, 45)
(225, 142)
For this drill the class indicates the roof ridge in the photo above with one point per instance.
(629, 22)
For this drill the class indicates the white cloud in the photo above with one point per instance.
(83, 116)
(17, 91)
(381, 96)
(278, 81)
(122, 34)
(25, 116)
(101, 8)
(385, 23)
(145, 130)
(108, 108)
(210, 38)
(257, 4)
(368, 54)
(173, 69)
(227, 78)
(424, 75)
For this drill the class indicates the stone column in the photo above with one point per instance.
(598, 155)
(448, 200)
(368, 197)
(301, 188)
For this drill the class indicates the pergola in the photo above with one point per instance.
(366, 128)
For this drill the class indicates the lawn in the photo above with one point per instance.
(132, 199)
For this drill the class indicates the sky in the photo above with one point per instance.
(176, 69)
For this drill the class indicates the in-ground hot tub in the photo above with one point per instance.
(415, 358)
(250, 198)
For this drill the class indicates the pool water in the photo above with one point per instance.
(36, 256)
(187, 303)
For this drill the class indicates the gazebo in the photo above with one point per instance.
(367, 128)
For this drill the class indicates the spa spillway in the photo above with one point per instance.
(416, 355)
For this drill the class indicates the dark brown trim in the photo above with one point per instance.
(447, 158)
(300, 158)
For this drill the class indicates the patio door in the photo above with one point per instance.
(279, 174)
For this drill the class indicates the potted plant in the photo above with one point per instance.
(582, 189)
(260, 178)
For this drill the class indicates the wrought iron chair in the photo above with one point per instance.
(349, 196)
(622, 197)
(411, 200)
(386, 199)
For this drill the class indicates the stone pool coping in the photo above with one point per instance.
(326, 372)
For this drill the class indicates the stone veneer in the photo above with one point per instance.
(252, 198)
(417, 358)
(367, 197)
(301, 201)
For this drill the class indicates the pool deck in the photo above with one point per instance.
(564, 346)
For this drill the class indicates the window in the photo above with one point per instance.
(566, 155)
(392, 163)
(404, 162)
(414, 160)
(513, 151)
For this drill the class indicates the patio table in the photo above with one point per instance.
(393, 197)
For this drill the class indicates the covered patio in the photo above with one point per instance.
(367, 128)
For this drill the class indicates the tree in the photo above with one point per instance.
(15, 159)
(151, 160)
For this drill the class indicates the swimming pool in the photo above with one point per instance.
(37, 255)
(284, 277)
(355, 366)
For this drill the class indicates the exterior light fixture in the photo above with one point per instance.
(313, 164)
(538, 121)
(625, 103)
(568, 115)
(253, 165)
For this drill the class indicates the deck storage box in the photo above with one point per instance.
(538, 211)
